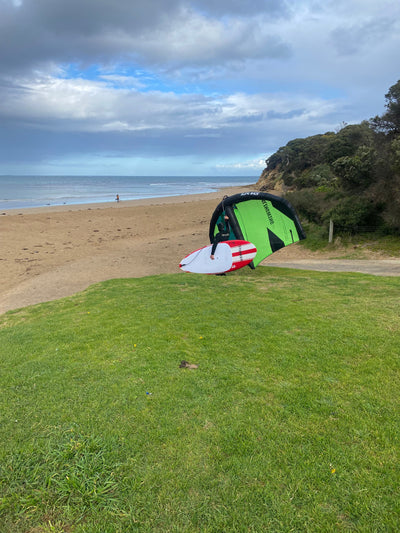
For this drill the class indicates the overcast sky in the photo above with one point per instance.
(185, 87)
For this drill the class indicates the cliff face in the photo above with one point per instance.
(271, 180)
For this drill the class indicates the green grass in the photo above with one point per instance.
(289, 423)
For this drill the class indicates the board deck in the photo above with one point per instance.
(229, 256)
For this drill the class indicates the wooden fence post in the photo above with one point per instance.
(330, 230)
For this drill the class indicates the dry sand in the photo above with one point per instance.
(52, 252)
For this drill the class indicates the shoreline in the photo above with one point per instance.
(155, 200)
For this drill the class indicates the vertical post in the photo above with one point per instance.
(330, 230)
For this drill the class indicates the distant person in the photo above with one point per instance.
(117, 198)
(222, 235)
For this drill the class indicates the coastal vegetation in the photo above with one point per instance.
(351, 176)
(290, 422)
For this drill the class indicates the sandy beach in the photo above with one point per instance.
(51, 252)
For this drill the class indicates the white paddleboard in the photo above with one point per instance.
(229, 255)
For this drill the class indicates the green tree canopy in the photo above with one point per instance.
(389, 122)
(353, 174)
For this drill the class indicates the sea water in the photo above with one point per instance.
(38, 191)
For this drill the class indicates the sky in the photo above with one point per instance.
(185, 87)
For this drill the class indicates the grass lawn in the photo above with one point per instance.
(289, 423)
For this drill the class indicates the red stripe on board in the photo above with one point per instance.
(245, 252)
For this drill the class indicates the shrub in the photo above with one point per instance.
(353, 214)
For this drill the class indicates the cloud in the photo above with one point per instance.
(170, 33)
(54, 116)
(352, 39)
(95, 106)
(274, 8)
(194, 80)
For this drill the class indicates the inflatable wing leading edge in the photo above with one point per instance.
(269, 222)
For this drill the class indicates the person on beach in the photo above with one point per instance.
(222, 235)
(117, 198)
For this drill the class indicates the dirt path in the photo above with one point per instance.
(380, 267)
(363, 261)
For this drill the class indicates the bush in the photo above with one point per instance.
(355, 172)
(353, 214)
(319, 176)
(311, 204)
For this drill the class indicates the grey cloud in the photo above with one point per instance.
(351, 39)
(274, 8)
(75, 17)
(163, 33)
(59, 30)
(19, 145)
(274, 115)
(233, 76)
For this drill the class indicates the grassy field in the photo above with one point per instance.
(289, 423)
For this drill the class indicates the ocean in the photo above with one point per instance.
(38, 191)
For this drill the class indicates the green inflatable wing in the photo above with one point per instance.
(269, 222)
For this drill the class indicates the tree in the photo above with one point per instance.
(356, 172)
(389, 123)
